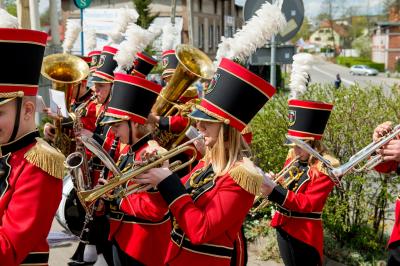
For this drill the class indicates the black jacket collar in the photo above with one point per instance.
(140, 143)
(20, 143)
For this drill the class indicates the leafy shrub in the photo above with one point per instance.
(351, 61)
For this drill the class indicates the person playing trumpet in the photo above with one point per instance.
(391, 157)
(210, 204)
(140, 221)
(300, 202)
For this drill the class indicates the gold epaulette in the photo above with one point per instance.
(246, 175)
(47, 158)
(334, 162)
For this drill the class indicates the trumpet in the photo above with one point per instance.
(353, 165)
(89, 197)
(290, 168)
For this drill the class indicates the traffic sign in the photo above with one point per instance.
(262, 56)
(82, 3)
(292, 9)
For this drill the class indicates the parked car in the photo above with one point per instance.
(363, 70)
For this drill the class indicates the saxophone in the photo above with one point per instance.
(77, 162)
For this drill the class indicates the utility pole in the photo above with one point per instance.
(190, 21)
(54, 27)
(23, 14)
(273, 59)
(173, 11)
(34, 13)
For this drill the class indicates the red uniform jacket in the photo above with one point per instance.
(300, 207)
(207, 221)
(388, 167)
(29, 198)
(142, 225)
(89, 116)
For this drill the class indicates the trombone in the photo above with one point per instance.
(336, 173)
(89, 197)
(288, 169)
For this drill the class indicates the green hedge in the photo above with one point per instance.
(351, 61)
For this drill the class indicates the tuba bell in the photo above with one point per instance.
(66, 72)
(193, 64)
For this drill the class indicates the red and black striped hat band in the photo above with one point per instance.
(169, 63)
(143, 64)
(23, 52)
(236, 94)
(95, 55)
(308, 119)
(106, 65)
(132, 98)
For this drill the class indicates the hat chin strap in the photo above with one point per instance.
(16, 120)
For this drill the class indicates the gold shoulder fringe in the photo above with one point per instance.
(246, 175)
(47, 158)
(334, 162)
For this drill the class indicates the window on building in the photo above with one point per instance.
(229, 31)
(200, 5)
(321, 31)
(215, 7)
(211, 36)
(317, 39)
(330, 39)
(201, 36)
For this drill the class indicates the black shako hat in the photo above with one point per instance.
(143, 64)
(105, 67)
(23, 52)
(234, 96)
(169, 63)
(132, 99)
(95, 56)
(308, 119)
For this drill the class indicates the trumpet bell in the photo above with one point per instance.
(193, 64)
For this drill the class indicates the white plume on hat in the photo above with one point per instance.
(170, 32)
(136, 41)
(7, 20)
(73, 28)
(90, 40)
(125, 17)
(255, 33)
(299, 76)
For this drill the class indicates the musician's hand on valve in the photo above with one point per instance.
(268, 183)
(50, 114)
(49, 131)
(382, 129)
(391, 151)
(153, 176)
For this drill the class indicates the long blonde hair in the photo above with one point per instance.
(229, 148)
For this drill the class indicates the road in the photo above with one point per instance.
(325, 73)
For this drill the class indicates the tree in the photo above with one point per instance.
(304, 32)
(11, 7)
(363, 46)
(143, 9)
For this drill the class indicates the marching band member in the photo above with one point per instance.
(31, 170)
(137, 240)
(299, 206)
(99, 249)
(391, 158)
(210, 204)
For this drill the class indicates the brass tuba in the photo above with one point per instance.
(66, 72)
(193, 64)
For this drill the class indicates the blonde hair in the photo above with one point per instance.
(320, 148)
(229, 148)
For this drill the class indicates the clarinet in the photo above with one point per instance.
(105, 171)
